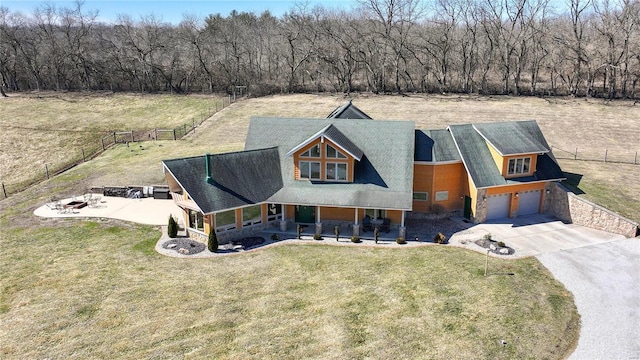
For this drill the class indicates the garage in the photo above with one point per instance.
(498, 206)
(529, 202)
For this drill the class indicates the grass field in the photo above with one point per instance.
(96, 289)
(55, 128)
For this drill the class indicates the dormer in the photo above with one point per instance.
(327, 156)
(513, 146)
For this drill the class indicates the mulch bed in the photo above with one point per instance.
(492, 246)
(184, 246)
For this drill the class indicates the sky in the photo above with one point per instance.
(172, 11)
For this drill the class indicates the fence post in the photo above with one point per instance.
(185, 130)
(575, 156)
(635, 159)
(83, 159)
(46, 169)
(155, 134)
(605, 154)
(193, 125)
(4, 191)
(131, 135)
(102, 141)
(174, 134)
(114, 137)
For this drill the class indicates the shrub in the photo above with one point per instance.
(376, 234)
(212, 243)
(172, 227)
(501, 244)
(317, 237)
(275, 237)
(401, 241)
(355, 239)
(336, 231)
(440, 238)
(487, 237)
(299, 231)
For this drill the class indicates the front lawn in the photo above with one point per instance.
(93, 289)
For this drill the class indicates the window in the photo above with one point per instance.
(375, 213)
(226, 220)
(309, 170)
(519, 166)
(442, 195)
(336, 171)
(313, 152)
(196, 220)
(421, 196)
(274, 212)
(251, 215)
(333, 153)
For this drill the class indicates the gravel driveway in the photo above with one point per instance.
(605, 282)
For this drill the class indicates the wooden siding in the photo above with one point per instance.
(323, 160)
(498, 159)
(338, 214)
(431, 178)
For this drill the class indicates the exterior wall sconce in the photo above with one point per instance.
(484, 198)
(547, 191)
(517, 194)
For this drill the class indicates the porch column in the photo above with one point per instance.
(318, 221)
(356, 226)
(283, 221)
(403, 230)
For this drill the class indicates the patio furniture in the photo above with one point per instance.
(386, 225)
(366, 224)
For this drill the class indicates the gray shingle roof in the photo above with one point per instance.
(435, 146)
(383, 177)
(348, 111)
(480, 165)
(238, 178)
(513, 138)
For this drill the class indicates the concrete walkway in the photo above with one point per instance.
(605, 282)
(147, 211)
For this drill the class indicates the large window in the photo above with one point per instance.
(375, 213)
(196, 220)
(519, 166)
(337, 171)
(226, 220)
(442, 195)
(420, 196)
(309, 170)
(274, 212)
(251, 215)
(313, 152)
(333, 153)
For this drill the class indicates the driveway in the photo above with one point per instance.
(605, 282)
(534, 234)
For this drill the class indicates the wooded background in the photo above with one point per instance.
(517, 47)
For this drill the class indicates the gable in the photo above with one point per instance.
(348, 111)
(338, 138)
(382, 178)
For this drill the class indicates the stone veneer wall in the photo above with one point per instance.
(568, 207)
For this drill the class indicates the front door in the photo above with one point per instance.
(305, 214)
(467, 208)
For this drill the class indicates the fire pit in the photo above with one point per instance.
(76, 205)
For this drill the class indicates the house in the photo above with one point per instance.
(348, 167)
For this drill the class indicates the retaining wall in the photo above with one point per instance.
(568, 207)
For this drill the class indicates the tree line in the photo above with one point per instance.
(518, 47)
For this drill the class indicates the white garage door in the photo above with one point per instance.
(529, 203)
(498, 206)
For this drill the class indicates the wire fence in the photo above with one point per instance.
(110, 139)
(600, 155)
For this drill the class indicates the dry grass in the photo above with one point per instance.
(87, 289)
(55, 128)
